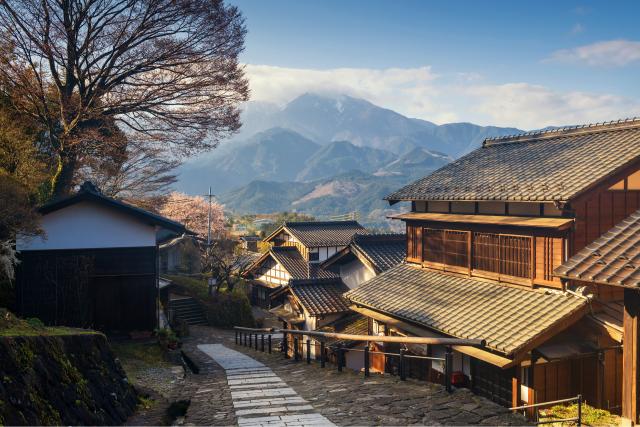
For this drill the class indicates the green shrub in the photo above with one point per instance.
(590, 415)
(228, 309)
(225, 309)
(35, 322)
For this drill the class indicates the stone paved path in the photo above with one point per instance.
(260, 397)
(342, 398)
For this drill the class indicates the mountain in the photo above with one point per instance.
(415, 164)
(324, 119)
(342, 156)
(275, 154)
(353, 191)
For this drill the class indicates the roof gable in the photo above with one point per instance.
(320, 233)
(546, 166)
(89, 192)
(377, 251)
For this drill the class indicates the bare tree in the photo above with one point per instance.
(135, 173)
(165, 71)
(224, 262)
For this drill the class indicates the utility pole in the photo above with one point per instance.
(209, 220)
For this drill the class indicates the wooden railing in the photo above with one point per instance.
(249, 337)
(537, 406)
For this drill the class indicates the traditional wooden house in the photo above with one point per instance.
(95, 266)
(367, 256)
(313, 242)
(249, 243)
(608, 270)
(180, 255)
(484, 236)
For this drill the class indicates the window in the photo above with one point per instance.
(446, 247)
(503, 254)
(414, 243)
(314, 255)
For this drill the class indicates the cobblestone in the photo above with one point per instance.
(343, 398)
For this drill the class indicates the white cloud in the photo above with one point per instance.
(531, 106)
(577, 29)
(613, 53)
(421, 93)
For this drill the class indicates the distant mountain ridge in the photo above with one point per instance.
(301, 156)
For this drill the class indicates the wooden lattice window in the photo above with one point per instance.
(414, 243)
(433, 245)
(448, 247)
(503, 254)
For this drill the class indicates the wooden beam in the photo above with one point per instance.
(631, 357)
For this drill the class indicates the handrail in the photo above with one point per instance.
(383, 338)
(375, 338)
(577, 419)
(537, 405)
(265, 330)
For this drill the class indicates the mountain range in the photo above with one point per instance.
(326, 155)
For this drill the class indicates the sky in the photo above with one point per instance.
(527, 64)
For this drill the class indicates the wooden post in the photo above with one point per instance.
(366, 359)
(296, 355)
(308, 351)
(579, 410)
(236, 337)
(322, 354)
(448, 368)
(401, 369)
(340, 357)
(256, 343)
(245, 339)
(250, 337)
(631, 357)
(269, 343)
(262, 344)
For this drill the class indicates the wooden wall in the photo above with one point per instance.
(599, 381)
(547, 254)
(598, 213)
(107, 289)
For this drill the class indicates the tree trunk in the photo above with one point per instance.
(62, 181)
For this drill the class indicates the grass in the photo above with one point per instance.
(138, 355)
(196, 287)
(590, 415)
(12, 326)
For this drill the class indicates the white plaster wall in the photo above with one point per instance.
(354, 273)
(88, 225)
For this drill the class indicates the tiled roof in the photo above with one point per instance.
(321, 298)
(382, 250)
(507, 317)
(299, 269)
(354, 324)
(555, 165)
(324, 233)
(612, 259)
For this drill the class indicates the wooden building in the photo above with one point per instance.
(312, 243)
(367, 256)
(96, 265)
(609, 268)
(484, 237)
(180, 255)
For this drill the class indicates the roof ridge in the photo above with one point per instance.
(628, 123)
(289, 223)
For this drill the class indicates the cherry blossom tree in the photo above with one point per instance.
(193, 211)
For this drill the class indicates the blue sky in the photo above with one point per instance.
(527, 64)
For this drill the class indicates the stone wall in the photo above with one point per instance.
(62, 380)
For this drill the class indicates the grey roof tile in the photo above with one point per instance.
(324, 233)
(506, 317)
(612, 259)
(545, 166)
(382, 250)
(322, 298)
(299, 269)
